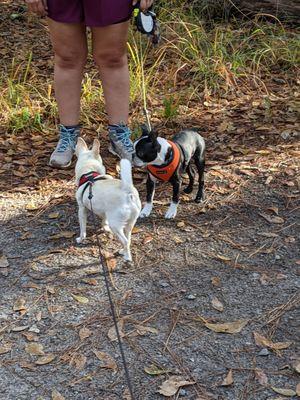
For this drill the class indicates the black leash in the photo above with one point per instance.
(112, 307)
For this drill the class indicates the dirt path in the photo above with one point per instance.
(225, 249)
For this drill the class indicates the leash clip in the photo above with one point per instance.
(90, 190)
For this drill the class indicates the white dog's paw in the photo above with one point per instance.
(172, 211)
(127, 256)
(146, 211)
(106, 228)
(80, 239)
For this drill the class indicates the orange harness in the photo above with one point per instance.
(165, 172)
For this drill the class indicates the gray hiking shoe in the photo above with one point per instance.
(63, 153)
(120, 142)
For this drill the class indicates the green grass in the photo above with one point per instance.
(194, 57)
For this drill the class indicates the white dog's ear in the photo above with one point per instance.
(96, 148)
(80, 146)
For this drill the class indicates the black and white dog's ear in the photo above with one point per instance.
(145, 130)
(153, 135)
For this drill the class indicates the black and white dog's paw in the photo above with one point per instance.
(200, 198)
(172, 211)
(146, 211)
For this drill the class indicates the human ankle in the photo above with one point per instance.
(77, 126)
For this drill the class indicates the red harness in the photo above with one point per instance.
(165, 172)
(89, 177)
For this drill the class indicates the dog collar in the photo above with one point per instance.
(165, 172)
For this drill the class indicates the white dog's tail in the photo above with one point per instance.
(126, 174)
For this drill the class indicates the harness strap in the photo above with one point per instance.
(166, 171)
(89, 179)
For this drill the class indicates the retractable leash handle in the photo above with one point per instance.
(147, 23)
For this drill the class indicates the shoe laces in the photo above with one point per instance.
(123, 136)
(68, 138)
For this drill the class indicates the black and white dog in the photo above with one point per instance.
(167, 160)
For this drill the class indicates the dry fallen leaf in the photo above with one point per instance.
(126, 395)
(45, 359)
(272, 220)
(80, 299)
(177, 240)
(296, 366)
(84, 333)
(275, 209)
(264, 279)
(30, 336)
(112, 334)
(38, 316)
(298, 389)
(143, 330)
(19, 305)
(56, 395)
(31, 206)
(284, 392)
(90, 281)
(35, 349)
(27, 365)
(78, 361)
(53, 215)
(19, 328)
(127, 295)
(228, 380)
(229, 327)
(171, 386)
(108, 361)
(216, 281)
(111, 262)
(147, 239)
(62, 235)
(264, 342)
(269, 180)
(217, 305)
(223, 258)
(261, 376)
(50, 289)
(3, 261)
(5, 348)
(154, 371)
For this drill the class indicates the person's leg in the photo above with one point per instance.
(110, 55)
(70, 52)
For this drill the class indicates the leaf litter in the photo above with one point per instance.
(106, 359)
(171, 386)
(228, 380)
(227, 327)
(35, 349)
(260, 340)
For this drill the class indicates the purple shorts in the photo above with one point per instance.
(90, 12)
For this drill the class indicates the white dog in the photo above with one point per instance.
(116, 201)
